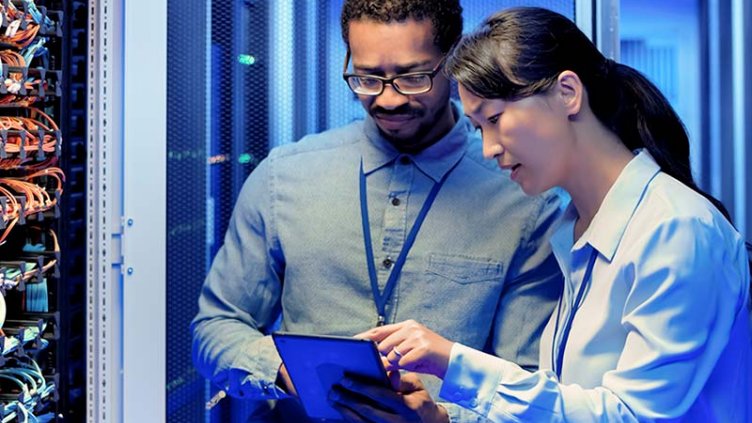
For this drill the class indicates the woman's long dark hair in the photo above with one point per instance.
(521, 52)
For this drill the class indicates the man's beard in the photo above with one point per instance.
(415, 142)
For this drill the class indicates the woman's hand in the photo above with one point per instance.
(411, 346)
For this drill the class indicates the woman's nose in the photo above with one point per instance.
(491, 147)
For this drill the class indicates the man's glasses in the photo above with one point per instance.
(407, 83)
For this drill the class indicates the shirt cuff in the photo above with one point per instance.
(253, 373)
(471, 379)
(458, 414)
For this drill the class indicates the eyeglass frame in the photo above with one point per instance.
(431, 74)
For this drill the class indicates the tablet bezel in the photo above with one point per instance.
(334, 356)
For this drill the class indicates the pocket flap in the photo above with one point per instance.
(463, 269)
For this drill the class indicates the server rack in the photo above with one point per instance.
(42, 203)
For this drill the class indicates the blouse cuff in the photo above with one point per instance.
(471, 379)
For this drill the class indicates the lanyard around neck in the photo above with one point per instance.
(379, 298)
(559, 354)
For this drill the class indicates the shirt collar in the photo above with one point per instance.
(562, 238)
(609, 223)
(434, 161)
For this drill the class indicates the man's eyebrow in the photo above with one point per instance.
(398, 69)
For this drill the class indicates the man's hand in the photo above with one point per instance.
(284, 382)
(363, 402)
(411, 346)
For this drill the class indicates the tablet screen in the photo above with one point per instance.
(317, 362)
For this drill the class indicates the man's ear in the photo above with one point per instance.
(571, 92)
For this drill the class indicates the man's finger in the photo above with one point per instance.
(370, 414)
(348, 414)
(382, 397)
(353, 407)
(394, 379)
(410, 382)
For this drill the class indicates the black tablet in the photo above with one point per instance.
(316, 362)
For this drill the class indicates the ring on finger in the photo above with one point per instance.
(397, 352)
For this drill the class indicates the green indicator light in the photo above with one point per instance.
(246, 59)
(245, 158)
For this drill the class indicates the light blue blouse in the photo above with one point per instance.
(662, 333)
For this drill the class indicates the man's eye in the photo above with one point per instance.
(413, 80)
(369, 82)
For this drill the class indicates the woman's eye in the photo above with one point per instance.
(493, 119)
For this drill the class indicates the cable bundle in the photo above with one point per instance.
(25, 139)
(25, 336)
(21, 30)
(15, 60)
(19, 87)
(28, 387)
(21, 25)
(30, 190)
(41, 253)
(23, 386)
(22, 197)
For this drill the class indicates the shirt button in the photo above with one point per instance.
(404, 160)
(395, 201)
(387, 262)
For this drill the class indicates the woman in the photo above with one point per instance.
(653, 322)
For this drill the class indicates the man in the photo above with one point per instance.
(467, 251)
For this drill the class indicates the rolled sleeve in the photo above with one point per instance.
(240, 299)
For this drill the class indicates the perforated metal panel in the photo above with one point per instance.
(186, 199)
(217, 133)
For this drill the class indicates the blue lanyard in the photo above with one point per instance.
(381, 298)
(568, 325)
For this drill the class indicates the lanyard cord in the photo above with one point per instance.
(568, 325)
(380, 299)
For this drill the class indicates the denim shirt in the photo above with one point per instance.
(480, 272)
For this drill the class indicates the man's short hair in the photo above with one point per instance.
(445, 15)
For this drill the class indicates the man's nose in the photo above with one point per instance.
(390, 98)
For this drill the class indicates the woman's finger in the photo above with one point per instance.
(380, 332)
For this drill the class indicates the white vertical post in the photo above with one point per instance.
(281, 57)
(312, 73)
(144, 146)
(103, 178)
(607, 27)
(583, 16)
(714, 81)
(740, 113)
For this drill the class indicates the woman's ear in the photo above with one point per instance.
(571, 93)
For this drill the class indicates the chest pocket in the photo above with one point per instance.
(465, 270)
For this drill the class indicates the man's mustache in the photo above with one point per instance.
(400, 111)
